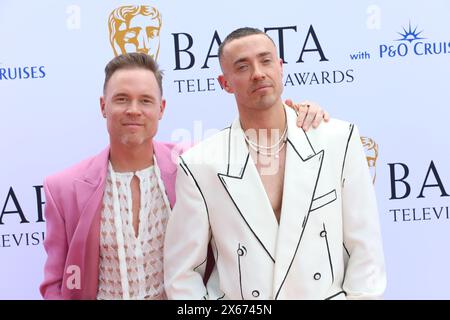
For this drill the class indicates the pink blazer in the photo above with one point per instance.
(72, 211)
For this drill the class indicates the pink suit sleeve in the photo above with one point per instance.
(55, 245)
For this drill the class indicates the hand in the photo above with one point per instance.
(308, 113)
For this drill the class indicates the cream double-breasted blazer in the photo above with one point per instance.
(328, 242)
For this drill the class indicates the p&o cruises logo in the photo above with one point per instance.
(413, 42)
(21, 72)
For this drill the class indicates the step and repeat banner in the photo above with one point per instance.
(383, 65)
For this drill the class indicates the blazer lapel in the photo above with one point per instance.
(244, 186)
(89, 189)
(166, 170)
(89, 192)
(302, 170)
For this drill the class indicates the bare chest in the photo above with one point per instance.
(271, 172)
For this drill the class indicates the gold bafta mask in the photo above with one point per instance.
(371, 149)
(135, 29)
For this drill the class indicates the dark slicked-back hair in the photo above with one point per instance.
(240, 33)
(134, 60)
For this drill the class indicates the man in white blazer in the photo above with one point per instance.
(289, 214)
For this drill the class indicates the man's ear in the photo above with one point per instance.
(102, 106)
(281, 66)
(224, 84)
(162, 107)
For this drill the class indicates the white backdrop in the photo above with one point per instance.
(387, 70)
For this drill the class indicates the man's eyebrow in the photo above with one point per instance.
(120, 94)
(239, 61)
(259, 55)
(148, 96)
(263, 54)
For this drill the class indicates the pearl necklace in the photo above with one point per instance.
(268, 151)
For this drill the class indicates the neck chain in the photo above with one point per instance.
(272, 150)
(271, 153)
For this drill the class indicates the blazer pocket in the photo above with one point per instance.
(323, 200)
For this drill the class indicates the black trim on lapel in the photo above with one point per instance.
(304, 221)
(320, 154)
(182, 167)
(298, 153)
(220, 175)
(198, 187)
(229, 143)
(307, 139)
(345, 154)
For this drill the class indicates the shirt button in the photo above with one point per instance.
(317, 276)
(255, 293)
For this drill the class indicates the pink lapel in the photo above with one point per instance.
(84, 250)
(166, 155)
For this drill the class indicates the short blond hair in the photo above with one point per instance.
(133, 60)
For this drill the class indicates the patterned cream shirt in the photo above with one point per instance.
(131, 267)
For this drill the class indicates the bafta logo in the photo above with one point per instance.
(135, 29)
(371, 149)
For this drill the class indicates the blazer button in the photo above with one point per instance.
(317, 276)
(255, 293)
(242, 251)
(323, 233)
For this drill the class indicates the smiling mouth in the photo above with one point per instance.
(133, 126)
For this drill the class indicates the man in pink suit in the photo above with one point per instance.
(106, 216)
